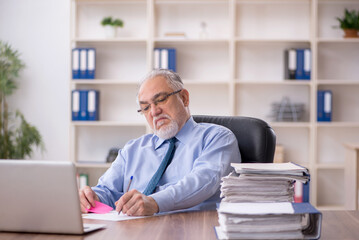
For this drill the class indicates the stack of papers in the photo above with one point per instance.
(262, 182)
(268, 221)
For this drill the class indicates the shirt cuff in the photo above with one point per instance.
(164, 202)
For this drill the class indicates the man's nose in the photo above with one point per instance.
(155, 110)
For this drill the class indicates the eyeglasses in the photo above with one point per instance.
(159, 99)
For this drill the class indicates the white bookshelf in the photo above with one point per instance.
(236, 70)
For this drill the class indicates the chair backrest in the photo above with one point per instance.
(256, 139)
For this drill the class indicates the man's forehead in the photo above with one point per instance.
(152, 87)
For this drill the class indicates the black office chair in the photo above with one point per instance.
(256, 139)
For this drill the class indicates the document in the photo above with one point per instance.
(110, 216)
(268, 221)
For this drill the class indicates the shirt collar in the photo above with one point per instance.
(182, 135)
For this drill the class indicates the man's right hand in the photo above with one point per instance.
(87, 198)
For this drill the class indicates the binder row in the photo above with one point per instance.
(297, 63)
(324, 105)
(83, 63)
(85, 105)
(165, 58)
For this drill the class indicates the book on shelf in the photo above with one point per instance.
(85, 105)
(83, 63)
(324, 105)
(93, 105)
(290, 63)
(165, 58)
(297, 63)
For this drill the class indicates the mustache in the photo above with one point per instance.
(158, 117)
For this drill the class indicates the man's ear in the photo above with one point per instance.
(184, 94)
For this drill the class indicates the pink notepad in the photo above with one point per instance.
(100, 208)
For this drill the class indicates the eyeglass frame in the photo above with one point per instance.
(156, 102)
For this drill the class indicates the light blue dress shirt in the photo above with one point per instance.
(192, 180)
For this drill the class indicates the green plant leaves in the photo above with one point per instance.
(112, 22)
(350, 20)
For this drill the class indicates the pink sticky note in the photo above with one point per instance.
(100, 208)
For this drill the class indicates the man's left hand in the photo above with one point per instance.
(134, 203)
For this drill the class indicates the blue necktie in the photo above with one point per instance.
(161, 169)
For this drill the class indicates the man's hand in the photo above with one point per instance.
(87, 198)
(134, 203)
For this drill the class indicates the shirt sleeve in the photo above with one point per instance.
(204, 180)
(110, 186)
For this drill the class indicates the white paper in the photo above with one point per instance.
(256, 208)
(110, 216)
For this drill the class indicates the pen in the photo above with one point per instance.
(128, 187)
(129, 184)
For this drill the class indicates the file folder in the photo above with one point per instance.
(83, 63)
(324, 105)
(75, 63)
(83, 105)
(75, 102)
(93, 105)
(164, 58)
(307, 65)
(290, 63)
(156, 58)
(91, 63)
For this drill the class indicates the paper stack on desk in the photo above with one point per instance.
(262, 182)
(258, 204)
(282, 220)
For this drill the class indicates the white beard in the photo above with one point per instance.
(165, 132)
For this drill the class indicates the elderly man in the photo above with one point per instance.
(179, 166)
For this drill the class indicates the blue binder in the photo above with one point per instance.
(75, 63)
(172, 59)
(324, 105)
(307, 64)
(165, 58)
(303, 64)
(75, 105)
(83, 63)
(83, 105)
(93, 105)
(91, 63)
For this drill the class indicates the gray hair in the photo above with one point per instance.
(173, 79)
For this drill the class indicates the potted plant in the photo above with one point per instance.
(349, 23)
(17, 136)
(111, 26)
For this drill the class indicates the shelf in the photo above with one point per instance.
(269, 40)
(103, 81)
(338, 40)
(191, 40)
(290, 124)
(337, 124)
(338, 82)
(280, 82)
(92, 165)
(110, 40)
(331, 166)
(106, 124)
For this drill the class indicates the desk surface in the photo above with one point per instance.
(192, 225)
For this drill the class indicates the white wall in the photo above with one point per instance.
(39, 30)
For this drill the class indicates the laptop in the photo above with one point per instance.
(40, 196)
